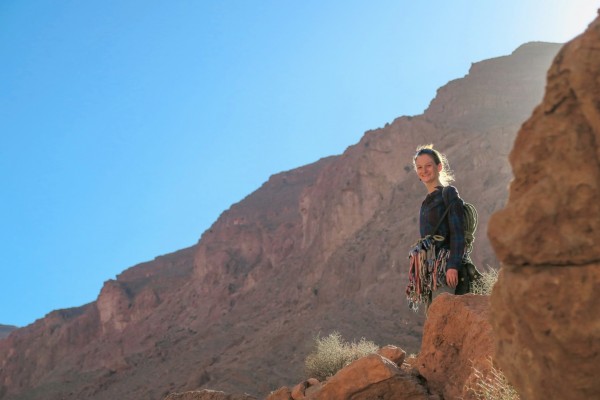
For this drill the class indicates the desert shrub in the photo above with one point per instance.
(494, 386)
(332, 353)
(486, 283)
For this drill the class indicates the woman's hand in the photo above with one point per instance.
(452, 277)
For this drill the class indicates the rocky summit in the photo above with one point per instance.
(319, 248)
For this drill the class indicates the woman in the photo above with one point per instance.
(433, 170)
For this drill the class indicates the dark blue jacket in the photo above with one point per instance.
(451, 228)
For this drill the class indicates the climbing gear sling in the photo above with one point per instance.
(427, 268)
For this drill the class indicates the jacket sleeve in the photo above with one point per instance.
(456, 223)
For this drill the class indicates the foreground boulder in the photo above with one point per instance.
(457, 341)
(544, 308)
(370, 377)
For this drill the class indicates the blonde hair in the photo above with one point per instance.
(446, 174)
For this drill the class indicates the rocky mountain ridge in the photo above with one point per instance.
(319, 248)
(541, 324)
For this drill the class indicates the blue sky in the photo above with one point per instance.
(127, 127)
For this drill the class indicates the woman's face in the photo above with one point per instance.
(427, 170)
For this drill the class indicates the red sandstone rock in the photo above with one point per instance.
(313, 386)
(546, 322)
(113, 305)
(457, 338)
(550, 218)
(305, 388)
(393, 353)
(312, 381)
(371, 377)
(283, 393)
(298, 390)
(545, 305)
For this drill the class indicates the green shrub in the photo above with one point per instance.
(486, 283)
(332, 353)
(493, 387)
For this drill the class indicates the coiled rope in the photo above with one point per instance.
(427, 271)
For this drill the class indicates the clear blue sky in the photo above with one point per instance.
(127, 127)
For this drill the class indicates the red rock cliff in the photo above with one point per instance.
(318, 248)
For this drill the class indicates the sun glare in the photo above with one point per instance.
(578, 17)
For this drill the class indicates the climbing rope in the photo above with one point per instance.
(427, 271)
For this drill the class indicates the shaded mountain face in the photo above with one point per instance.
(319, 248)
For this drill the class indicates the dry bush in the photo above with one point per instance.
(332, 353)
(495, 386)
(485, 285)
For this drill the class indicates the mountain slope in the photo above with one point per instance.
(318, 248)
(5, 330)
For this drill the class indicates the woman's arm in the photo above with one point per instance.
(456, 223)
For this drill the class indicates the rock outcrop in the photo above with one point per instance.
(456, 352)
(371, 377)
(545, 304)
(457, 340)
(319, 248)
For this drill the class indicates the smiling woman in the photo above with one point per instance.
(437, 258)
